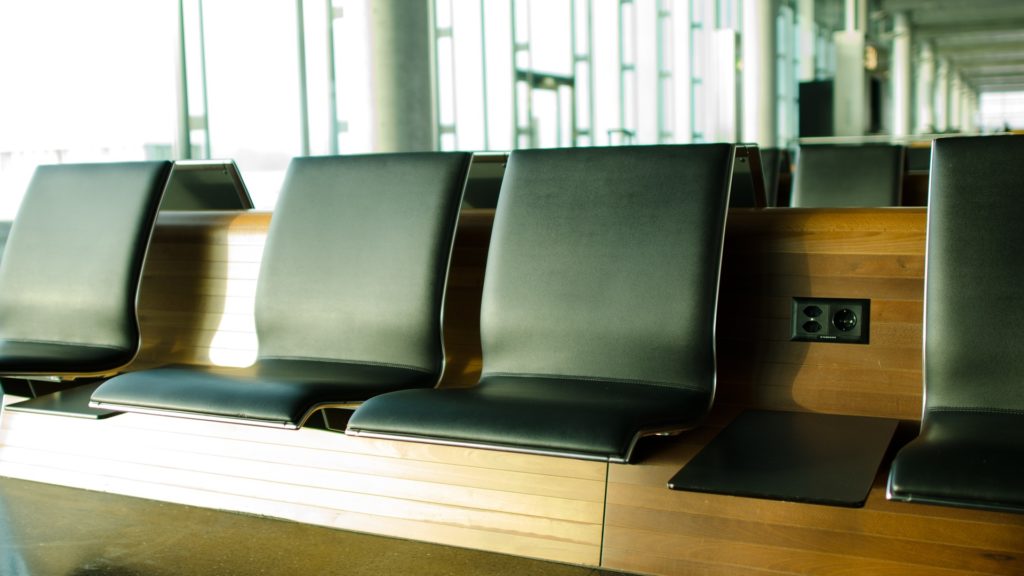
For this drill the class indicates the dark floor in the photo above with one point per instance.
(52, 530)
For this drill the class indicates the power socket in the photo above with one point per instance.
(842, 320)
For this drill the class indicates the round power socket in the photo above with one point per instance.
(844, 319)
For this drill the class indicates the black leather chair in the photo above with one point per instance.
(774, 162)
(970, 451)
(848, 176)
(598, 311)
(348, 301)
(71, 268)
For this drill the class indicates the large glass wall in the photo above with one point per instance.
(253, 89)
(78, 83)
(261, 82)
(1001, 111)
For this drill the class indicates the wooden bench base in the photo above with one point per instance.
(618, 517)
(533, 506)
(196, 306)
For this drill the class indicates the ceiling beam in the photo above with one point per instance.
(1003, 88)
(997, 81)
(946, 5)
(948, 31)
(985, 57)
(982, 71)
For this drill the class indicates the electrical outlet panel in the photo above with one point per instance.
(842, 320)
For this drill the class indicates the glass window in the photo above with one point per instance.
(1001, 111)
(81, 84)
(252, 71)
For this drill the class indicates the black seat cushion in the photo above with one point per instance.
(72, 267)
(968, 458)
(847, 176)
(582, 417)
(281, 392)
(598, 308)
(31, 358)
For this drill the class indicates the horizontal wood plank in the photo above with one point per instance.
(378, 486)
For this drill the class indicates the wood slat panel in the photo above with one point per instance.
(753, 263)
(774, 255)
(747, 222)
(703, 555)
(198, 289)
(199, 286)
(323, 477)
(651, 529)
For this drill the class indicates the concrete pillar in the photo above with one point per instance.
(722, 81)
(966, 108)
(759, 101)
(807, 41)
(849, 91)
(901, 74)
(401, 41)
(925, 90)
(183, 141)
(942, 95)
(955, 100)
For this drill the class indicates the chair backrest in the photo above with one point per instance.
(72, 265)
(974, 285)
(356, 258)
(747, 189)
(846, 176)
(919, 158)
(772, 160)
(604, 264)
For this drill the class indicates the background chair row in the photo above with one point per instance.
(825, 176)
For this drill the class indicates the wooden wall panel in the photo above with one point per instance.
(533, 506)
(199, 287)
(772, 256)
(651, 529)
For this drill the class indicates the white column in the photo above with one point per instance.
(966, 112)
(805, 32)
(955, 99)
(901, 75)
(759, 91)
(925, 90)
(681, 73)
(183, 141)
(942, 95)
(974, 111)
(403, 81)
(849, 90)
(721, 80)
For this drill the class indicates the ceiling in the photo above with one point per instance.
(983, 39)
